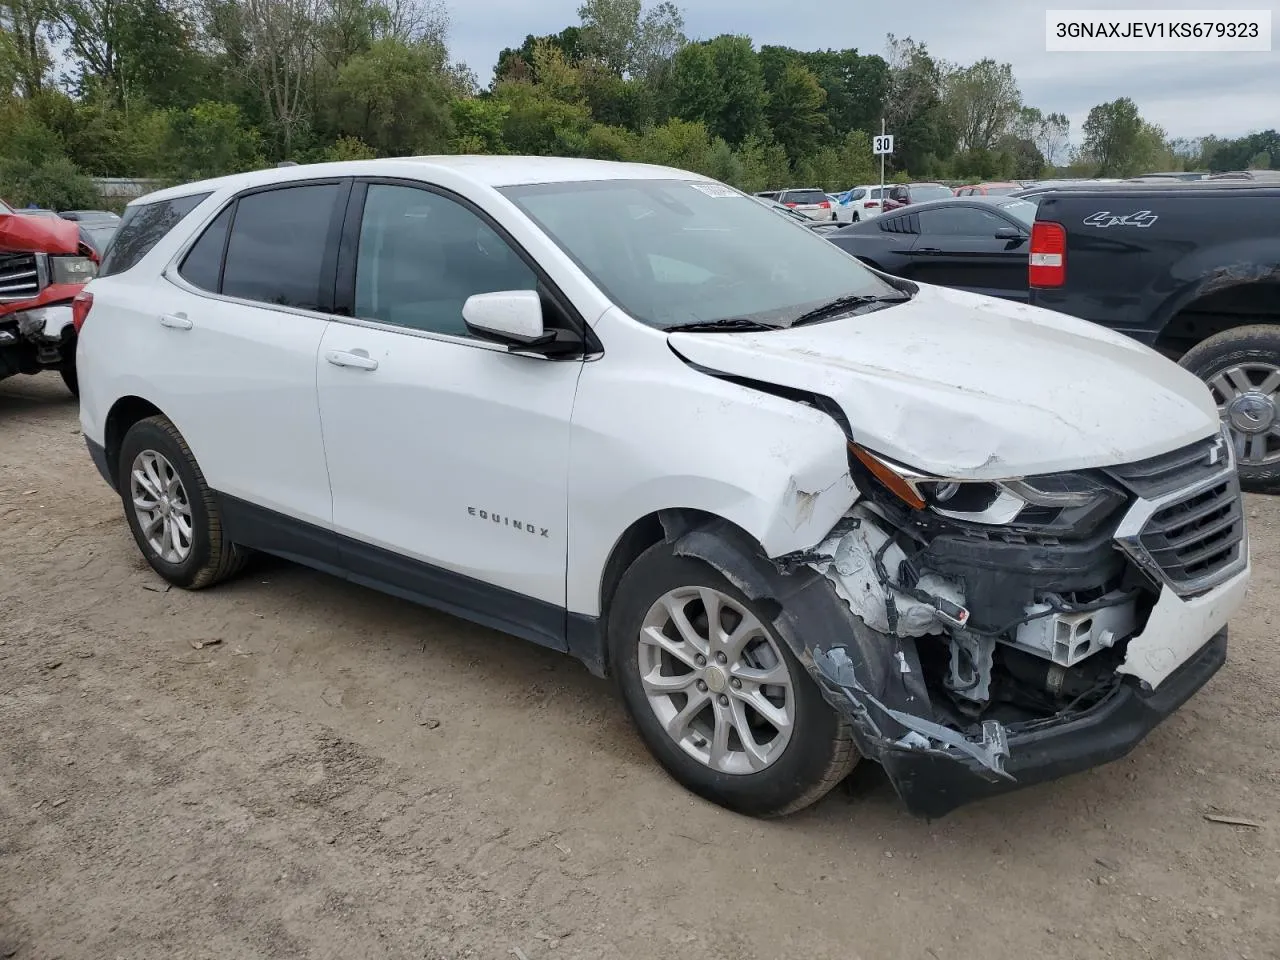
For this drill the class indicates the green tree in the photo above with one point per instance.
(55, 184)
(626, 43)
(856, 87)
(24, 49)
(211, 140)
(914, 112)
(982, 101)
(1049, 132)
(394, 98)
(477, 125)
(696, 92)
(764, 165)
(1117, 142)
(795, 110)
(742, 92)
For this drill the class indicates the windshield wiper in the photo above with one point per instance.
(728, 323)
(843, 304)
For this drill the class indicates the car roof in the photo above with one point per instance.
(488, 171)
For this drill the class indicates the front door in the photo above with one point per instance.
(448, 457)
(958, 247)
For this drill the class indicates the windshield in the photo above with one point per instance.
(1023, 210)
(674, 252)
(929, 191)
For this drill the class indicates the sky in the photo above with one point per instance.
(1189, 94)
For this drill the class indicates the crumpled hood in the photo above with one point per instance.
(25, 234)
(964, 386)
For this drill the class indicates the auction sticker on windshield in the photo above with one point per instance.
(715, 190)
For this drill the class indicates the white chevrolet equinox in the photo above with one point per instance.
(801, 511)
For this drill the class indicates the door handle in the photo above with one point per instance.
(176, 321)
(358, 359)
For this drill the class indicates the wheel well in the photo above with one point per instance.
(1241, 305)
(635, 540)
(124, 414)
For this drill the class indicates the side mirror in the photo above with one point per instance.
(1009, 233)
(514, 316)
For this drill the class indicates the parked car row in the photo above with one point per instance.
(802, 510)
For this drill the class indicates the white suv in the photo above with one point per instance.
(803, 512)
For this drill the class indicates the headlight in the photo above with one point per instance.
(71, 269)
(1053, 503)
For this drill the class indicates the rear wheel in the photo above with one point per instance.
(718, 697)
(1242, 370)
(171, 510)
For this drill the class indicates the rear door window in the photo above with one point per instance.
(276, 252)
(142, 227)
(202, 265)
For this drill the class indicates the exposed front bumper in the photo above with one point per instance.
(931, 784)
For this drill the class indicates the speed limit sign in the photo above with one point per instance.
(882, 144)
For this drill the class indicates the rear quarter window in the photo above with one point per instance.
(142, 227)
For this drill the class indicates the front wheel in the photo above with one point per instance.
(1242, 370)
(717, 695)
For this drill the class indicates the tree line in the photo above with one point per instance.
(184, 89)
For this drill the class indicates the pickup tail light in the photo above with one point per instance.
(1047, 265)
(80, 307)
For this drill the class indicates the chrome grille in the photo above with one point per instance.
(19, 276)
(1187, 528)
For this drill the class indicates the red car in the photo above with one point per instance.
(44, 264)
(987, 189)
(905, 194)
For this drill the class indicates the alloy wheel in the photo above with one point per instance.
(716, 681)
(161, 506)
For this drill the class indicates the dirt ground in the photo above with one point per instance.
(348, 775)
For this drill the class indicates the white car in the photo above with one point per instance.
(810, 201)
(801, 511)
(860, 203)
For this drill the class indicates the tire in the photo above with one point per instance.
(71, 378)
(1242, 369)
(814, 755)
(855, 218)
(155, 448)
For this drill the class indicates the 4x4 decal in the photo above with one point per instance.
(1105, 218)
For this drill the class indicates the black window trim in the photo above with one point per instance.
(327, 270)
(345, 273)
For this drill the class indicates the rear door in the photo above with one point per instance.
(234, 349)
(958, 247)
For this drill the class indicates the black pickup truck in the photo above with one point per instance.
(1191, 269)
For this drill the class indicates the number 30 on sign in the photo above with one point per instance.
(882, 144)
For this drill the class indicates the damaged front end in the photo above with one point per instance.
(43, 266)
(988, 635)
